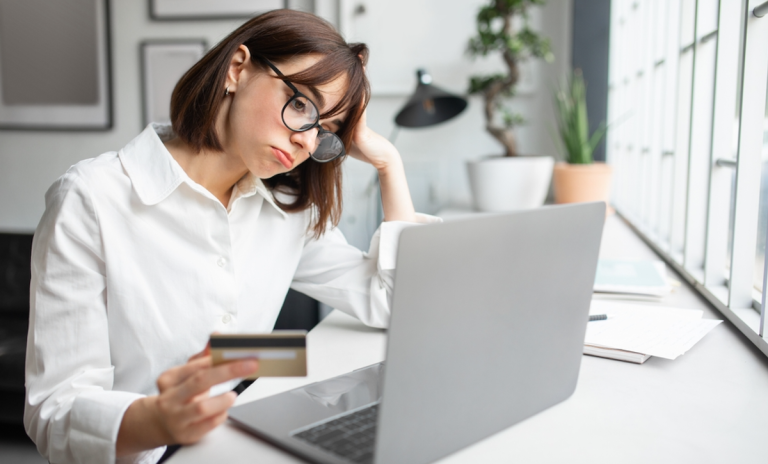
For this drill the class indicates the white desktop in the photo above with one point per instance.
(709, 405)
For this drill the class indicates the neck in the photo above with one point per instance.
(215, 171)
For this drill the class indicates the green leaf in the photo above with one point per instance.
(511, 119)
(573, 124)
(597, 136)
(479, 84)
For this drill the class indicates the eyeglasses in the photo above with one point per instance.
(300, 114)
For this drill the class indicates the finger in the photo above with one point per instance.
(201, 396)
(204, 409)
(206, 352)
(363, 122)
(358, 136)
(204, 379)
(198, 430)
(178, 374)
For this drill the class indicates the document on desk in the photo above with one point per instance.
(660, 331)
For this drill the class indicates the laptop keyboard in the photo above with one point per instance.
(350, 436)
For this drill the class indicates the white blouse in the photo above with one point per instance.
(134, 265)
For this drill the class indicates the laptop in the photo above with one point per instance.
(487, 329)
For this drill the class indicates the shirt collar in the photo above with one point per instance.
(155, 174)
(249, 185)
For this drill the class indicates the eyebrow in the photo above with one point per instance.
(318, 96)
(319, 99)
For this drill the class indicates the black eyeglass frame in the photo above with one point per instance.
(296, 94)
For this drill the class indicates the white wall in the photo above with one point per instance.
(31, 160)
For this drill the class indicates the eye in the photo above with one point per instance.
(298, 105)
(332, 126)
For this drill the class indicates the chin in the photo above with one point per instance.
(269, 170)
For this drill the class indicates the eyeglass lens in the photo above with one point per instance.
(329, 146)
(300, 114)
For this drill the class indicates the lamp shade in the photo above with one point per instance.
(429, 105)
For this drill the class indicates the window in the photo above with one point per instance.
(762, 220)
(688, 141)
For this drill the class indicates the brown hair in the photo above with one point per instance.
(278, 36)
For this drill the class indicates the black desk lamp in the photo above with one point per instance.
(428, 105)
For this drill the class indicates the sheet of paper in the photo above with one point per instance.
(621, 308)
(665, 332)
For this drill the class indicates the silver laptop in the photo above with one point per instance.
(487, 329)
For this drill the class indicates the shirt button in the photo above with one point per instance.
(221, 262)
(226, 319)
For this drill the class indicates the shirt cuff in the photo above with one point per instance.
(389, 235)
(145, 457)
(95, 421)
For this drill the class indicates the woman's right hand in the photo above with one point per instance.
(183, 412)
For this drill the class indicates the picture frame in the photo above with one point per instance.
(72, 90)
(163, 63)
(184, 10)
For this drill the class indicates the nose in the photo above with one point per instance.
(307, 140)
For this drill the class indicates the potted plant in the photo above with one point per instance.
(579, 178)
(510, 181)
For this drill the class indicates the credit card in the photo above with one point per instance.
(282, 353)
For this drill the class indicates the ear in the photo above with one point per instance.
(239, 63)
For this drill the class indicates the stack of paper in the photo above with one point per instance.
(645, 278)
(635, 332)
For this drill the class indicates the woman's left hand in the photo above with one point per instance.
(372, 148)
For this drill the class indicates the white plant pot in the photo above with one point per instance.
(510, 183)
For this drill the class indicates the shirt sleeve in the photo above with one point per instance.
(355, 282)
(70, 412)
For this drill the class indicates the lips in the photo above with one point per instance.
(284, 158)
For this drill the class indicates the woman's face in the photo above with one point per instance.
(254, 133)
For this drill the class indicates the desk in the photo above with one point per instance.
(708, 406)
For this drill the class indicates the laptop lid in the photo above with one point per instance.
(488, 325)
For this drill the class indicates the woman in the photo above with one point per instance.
(203, 227)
